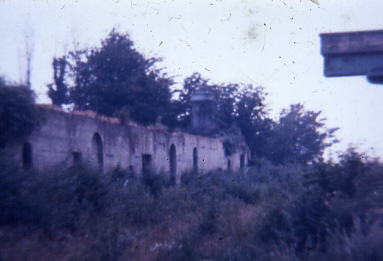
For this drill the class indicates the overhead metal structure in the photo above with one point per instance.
(353, 53)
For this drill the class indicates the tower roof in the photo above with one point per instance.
(202, 95)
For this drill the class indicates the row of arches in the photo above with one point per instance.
(98, 154)
(241, 163)
(97, 149)
(173, 162)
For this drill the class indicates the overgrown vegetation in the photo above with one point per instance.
(19, 115)
(327, 211)
(112, 78)
(116, 80)
(290, 206)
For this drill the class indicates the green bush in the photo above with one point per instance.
(14, 203)
(286, 212)
(19, 115)
(70, 196)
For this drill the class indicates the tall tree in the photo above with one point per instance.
(116, 77)
(253, 120)
(28, 34)
(300, 136)
(19, 115)
(58, 91)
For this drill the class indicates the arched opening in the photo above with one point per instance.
(27, 156)
(173, 164)
(146, 164)
(228, 165)
(195, 161)
(242, 161)
(98, 151)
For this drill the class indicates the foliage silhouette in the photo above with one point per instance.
(116, 80)
(112, 78)
(19, 115)
(284, 212)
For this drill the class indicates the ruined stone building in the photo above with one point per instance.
(105, 143)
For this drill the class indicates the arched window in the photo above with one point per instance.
(27, 156)
(98, 151)
(146, 164)
(242, 161)
(173, 164)
(195, 161)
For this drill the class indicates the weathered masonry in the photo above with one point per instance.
(105, 143)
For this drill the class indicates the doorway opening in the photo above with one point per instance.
(173, 164)
(27, 156)
(98, 151)
(242, 161)
(146, 164)
(195, 161)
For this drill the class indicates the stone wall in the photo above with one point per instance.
(67, 138)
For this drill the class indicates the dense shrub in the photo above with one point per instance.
(19, 115)
(268, 212)
(14, 206)
(69, 196)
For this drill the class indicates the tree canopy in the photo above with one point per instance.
(116, 80)
(111, 79)
(298, 136)
(19, 115)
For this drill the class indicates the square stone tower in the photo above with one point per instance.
(203, 113)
